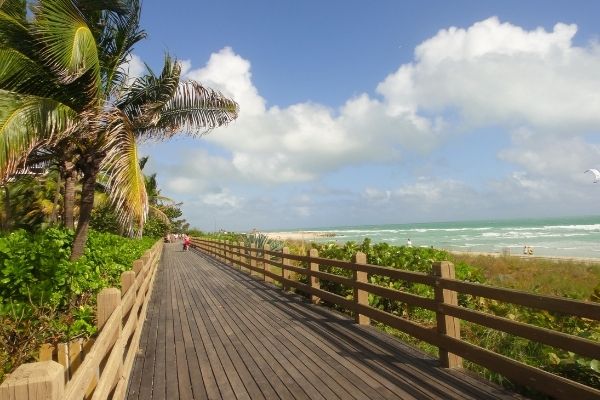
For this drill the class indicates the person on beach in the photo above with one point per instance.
(408, 243)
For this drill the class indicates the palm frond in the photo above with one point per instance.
(70, 47)
(121, 33)
(116, 6)
(159, 214)
(26, 76)
(15, 33)
(126, 180)
(17, 9)
(25, 124)
(195, 110)
(148, 94)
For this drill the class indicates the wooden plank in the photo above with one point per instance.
(360, 296)
(47, 352)
(184, 384)
(393, 273)
(198, 389)
(75, 355)
(559, 387)
(224, 337)
(278, 378)
(446, 324)
(171, 384)
(550, 303)
(143, 375)
(397, 295)
(297, 348)
(581, 346)
(293, 364)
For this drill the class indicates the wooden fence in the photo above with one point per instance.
(98, 369)
(446, 334)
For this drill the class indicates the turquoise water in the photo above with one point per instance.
(569, 237)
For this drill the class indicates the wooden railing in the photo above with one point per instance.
(446, 334)
(102, 370)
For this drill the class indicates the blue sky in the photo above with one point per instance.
(383, 112)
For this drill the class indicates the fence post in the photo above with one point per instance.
(108, 300)
(285, 273)
(266, 263)
(127, 279)
(446, 324)
(233, 253)
(228, 252)
(137, 266)
(43, 380)
(314, 281)
(245, 260)
(252, 261)
(361, 297)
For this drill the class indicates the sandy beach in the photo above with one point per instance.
(315, 235)
(304, 235)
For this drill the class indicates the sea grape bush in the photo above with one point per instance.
(44, 297)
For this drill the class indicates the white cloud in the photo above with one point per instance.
(559, 158)
(134, 67)
(222, 199)
(304, 140)
(497, 72)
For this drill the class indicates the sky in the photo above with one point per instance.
(382, 112)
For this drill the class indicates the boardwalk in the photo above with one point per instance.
(214, 332)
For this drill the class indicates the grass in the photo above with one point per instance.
(565, 278)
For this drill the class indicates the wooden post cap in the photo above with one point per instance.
(35, 381)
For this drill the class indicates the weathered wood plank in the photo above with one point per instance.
(214, 332)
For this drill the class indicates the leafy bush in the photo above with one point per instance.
(46, 297)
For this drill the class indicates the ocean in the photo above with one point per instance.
(565, 237)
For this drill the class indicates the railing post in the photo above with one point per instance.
(253, 261)
(314, 281)
(243, 258)
(266, 264)
(285, 273)
(227, 252)
(127, 279)
(446, 324)
(43, 380)
(108, 300)
(234, 254)
(360, 296)
(137, 266)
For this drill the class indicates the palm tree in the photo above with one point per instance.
(64, 89)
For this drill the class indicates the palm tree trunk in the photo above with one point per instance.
(70, 175)
(85, 209)
(54, 215)
(7, 214)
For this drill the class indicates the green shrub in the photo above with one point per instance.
(44, 297)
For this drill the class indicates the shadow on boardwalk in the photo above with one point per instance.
(214, 332)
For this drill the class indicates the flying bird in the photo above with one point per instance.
(596, 174)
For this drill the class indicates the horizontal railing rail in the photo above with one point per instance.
(446, 333)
